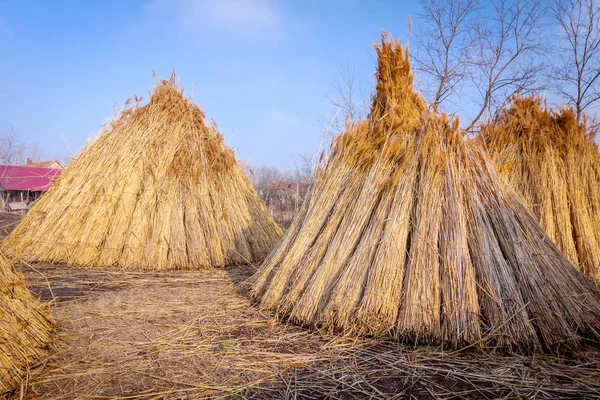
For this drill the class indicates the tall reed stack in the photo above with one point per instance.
(25, 328)
(552, 161)
(409, 233)
(158, 190)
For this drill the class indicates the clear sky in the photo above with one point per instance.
(262, 69)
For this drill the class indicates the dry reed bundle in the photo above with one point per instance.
(408, 232)
(554, 164)
(158, 190)
(25, 328)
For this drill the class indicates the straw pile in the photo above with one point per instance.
(158, 190)
(408, 232)
(25, 328)
(554, 164)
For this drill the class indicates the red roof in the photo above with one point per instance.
(281, 186)
(16, 177)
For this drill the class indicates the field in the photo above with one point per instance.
(187, 335)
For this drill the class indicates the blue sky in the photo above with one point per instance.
(262, 69)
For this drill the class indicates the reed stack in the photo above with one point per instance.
(553, 162)
(408, 232)
(157, 190)
(25, 328)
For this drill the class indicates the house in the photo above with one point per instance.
(22, 185)
(282, 189)
(287, 194)
(53, 164)
(284, 199)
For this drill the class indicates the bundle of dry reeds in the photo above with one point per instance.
(158, 190)
(552, 161)
(408, 232)
(25, 328)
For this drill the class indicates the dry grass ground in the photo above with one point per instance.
(195, 334)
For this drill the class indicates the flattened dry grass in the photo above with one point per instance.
(409, 233)
(382, 370)
(152, 336)
(553, 163)
(196, 335)
(158, 189)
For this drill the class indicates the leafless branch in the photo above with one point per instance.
(304, 168)
(490, 50)
(12, 147)
(443, 47)
(576, 69)
(264, 179)
(346, 102)
(506, 59)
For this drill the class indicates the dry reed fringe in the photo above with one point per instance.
(158, 190)
(408, 232)
(25, 328)
(554, 164)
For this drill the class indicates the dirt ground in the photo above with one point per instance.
(188, 335)
(8, 222)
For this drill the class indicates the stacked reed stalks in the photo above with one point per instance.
(552, 161)
(158, 190)
(25, 328)
(409, 233)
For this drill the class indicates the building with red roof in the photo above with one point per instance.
(21, 185)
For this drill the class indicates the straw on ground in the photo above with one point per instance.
(194, 334)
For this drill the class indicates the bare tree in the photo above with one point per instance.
(506, 59)
(348, 101)
(487, 48)
(12, 147)
(34, 152)
(577, 66)
(443, 47)
(264, 179)
(304, 164)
